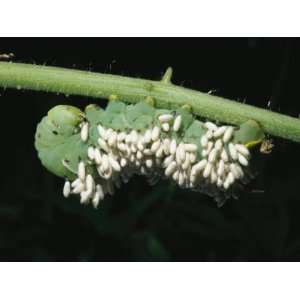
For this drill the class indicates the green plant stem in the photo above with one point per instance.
(132, 90)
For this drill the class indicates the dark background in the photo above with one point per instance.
(162, 222)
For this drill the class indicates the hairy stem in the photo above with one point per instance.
(132, 90)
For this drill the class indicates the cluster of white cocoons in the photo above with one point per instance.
(118, 155)
(223, 161)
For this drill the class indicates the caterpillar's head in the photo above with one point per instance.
(56, 135)
(65, 115)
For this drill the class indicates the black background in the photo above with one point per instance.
(162, 222)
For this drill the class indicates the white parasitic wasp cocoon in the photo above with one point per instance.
(67, 189)
(177, 123)
(84, 131)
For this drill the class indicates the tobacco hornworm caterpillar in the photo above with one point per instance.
(98, 149)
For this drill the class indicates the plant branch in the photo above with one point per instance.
(133, 90)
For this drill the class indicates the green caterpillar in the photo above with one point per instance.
(97, 150)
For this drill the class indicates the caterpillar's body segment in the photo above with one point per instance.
(99, 149)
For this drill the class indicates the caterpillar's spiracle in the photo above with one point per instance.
(96, 150)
